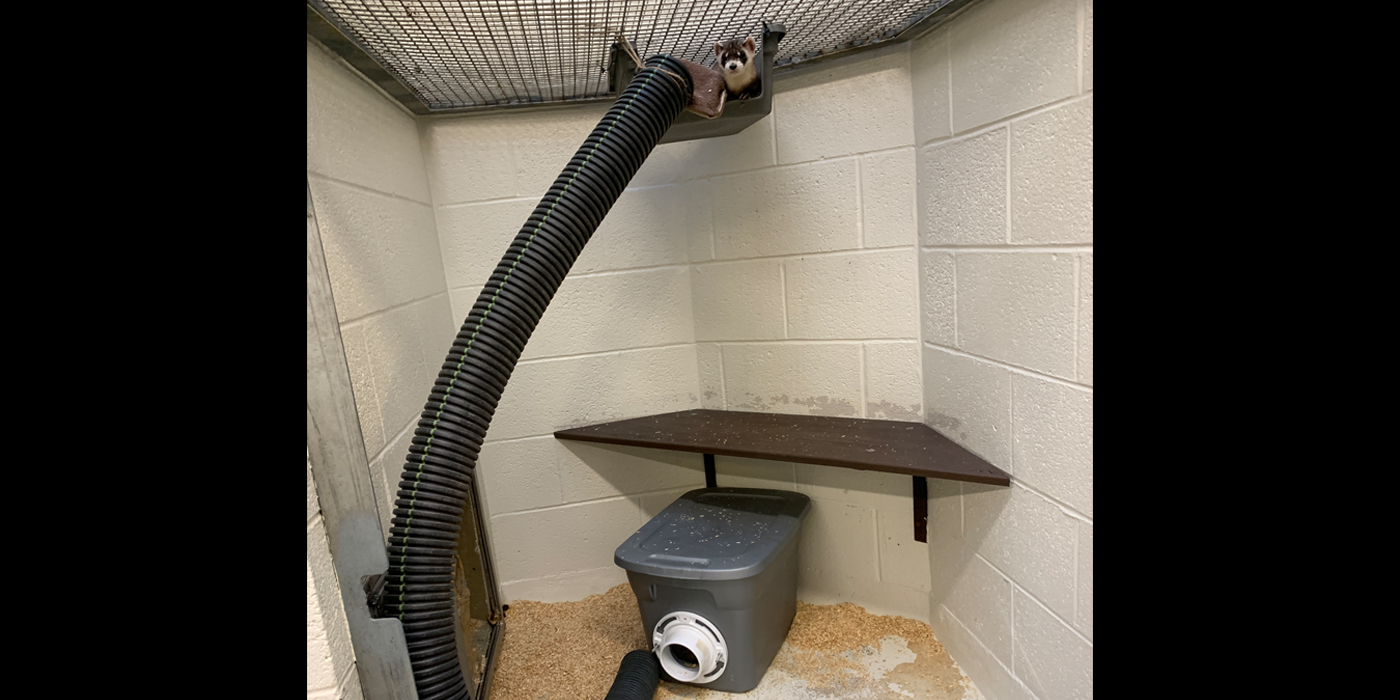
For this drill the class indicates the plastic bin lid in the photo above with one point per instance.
(715, 534)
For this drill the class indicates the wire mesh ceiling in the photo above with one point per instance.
(455, 55)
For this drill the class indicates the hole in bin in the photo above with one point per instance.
(683, 656)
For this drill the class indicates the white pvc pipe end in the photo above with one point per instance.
(690, 648)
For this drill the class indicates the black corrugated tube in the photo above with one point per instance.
(637, 677)
(433, 489)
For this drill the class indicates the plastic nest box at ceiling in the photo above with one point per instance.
(455, 55)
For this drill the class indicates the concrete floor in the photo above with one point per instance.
(572, 650)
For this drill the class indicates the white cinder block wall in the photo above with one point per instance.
(375, 212)
(908, 236)
(616, 342)
(1003, 122)
(806, 301)
(774, 270)
(370, 192)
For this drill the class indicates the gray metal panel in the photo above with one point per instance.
(341, 470)
(718, 534)
(739, 114)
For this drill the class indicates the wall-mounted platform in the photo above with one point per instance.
(857, 443)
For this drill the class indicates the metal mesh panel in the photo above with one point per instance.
(496, 52)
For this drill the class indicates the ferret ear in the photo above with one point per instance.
(748, 44)
(718, 48)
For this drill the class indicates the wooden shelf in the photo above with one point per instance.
(857, 443)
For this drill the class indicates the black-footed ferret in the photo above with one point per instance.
(736, 63)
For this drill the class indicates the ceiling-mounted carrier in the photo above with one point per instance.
(738, 114)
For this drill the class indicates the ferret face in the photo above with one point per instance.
(734, 55)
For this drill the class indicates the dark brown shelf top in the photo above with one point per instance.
(857, 443)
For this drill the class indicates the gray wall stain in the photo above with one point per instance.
(824, 405)
(754, 403)
(816, 405)
(892, 411)
(938, 421)
(587, 419)
(947, 425)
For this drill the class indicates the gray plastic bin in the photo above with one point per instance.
(715, 575)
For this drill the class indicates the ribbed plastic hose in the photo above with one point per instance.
(637, 677)
(433, 489)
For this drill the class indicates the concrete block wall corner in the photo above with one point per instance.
(908, 236)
